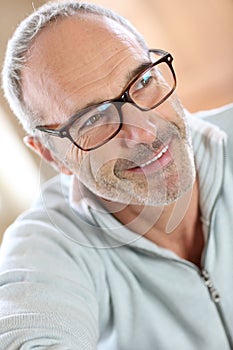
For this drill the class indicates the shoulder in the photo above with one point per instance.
(50, 237)
(221, 117)
(52, 220)
(218, 123)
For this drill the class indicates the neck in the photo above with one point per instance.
(176, 227)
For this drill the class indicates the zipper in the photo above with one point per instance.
(216, 299)
(212, 290)
(215, 296)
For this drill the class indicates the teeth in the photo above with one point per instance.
(155, 158)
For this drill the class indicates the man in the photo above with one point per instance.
(129, 248)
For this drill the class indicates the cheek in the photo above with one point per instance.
(77, 159)
(67, 153)
(172, 111)
(104, 156)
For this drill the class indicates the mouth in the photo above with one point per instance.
(159, 161)
(146, 162)
(154, 159)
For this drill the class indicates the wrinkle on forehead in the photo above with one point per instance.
(111, 74)
(86, 59)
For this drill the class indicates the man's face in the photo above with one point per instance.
(76, 63)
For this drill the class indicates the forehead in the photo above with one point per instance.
(77, 61)
(82, 38)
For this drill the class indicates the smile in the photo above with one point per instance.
(161, 160)
(159, 155)
(157, 161)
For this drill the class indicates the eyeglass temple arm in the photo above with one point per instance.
(58, 133)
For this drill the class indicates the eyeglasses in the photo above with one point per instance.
(94, 126)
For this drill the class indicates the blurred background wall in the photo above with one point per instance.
(198, 33)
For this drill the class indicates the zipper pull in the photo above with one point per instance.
(213, 292)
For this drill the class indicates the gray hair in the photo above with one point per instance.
(22, 39)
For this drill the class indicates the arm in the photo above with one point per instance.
(47, 296)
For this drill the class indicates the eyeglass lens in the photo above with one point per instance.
(152, 86)
(96, 126)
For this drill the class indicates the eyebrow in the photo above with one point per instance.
(130, 76)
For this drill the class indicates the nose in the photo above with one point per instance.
(137, 128)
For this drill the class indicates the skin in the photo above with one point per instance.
(57, 82)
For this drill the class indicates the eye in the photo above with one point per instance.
(92, 120)
(97, 117)
(144, 81)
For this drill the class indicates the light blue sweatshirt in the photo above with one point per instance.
(71, 277)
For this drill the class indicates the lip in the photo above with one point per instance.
(155, 158)
(160, 160)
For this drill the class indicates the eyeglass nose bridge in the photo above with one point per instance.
(124, 98)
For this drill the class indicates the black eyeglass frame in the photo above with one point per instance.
(63, 131)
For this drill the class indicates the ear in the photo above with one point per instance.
(34, 143)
